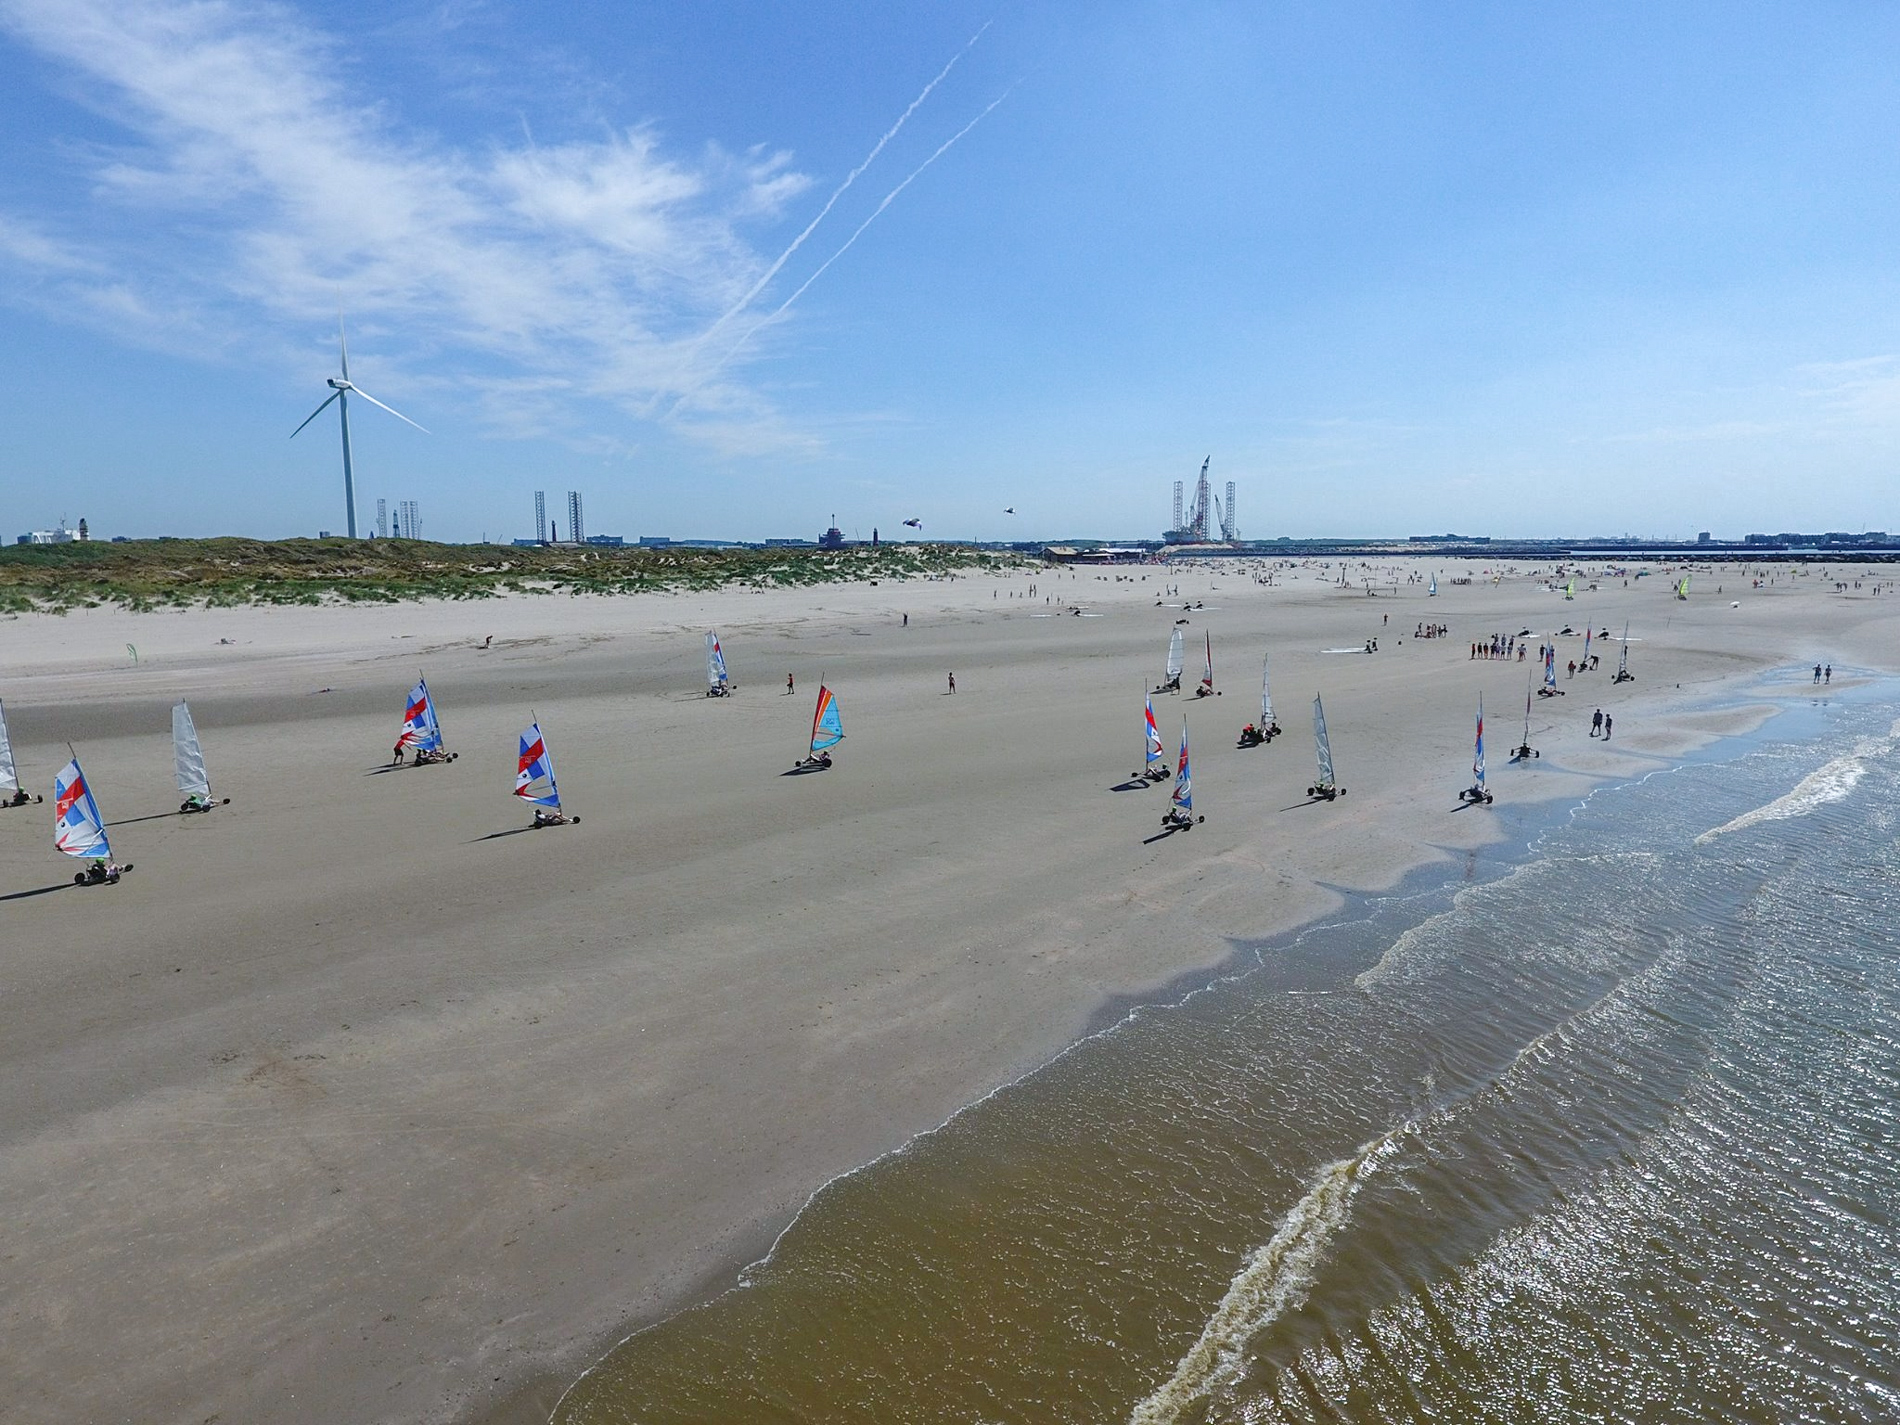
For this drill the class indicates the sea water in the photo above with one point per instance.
(1606, 1127)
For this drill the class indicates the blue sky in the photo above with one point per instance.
(1397, 268)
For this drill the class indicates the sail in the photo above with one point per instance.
(1550, 664)
(533, 766)
(9, 778)
(78, 829)
(420, 727)
(1156, 752)
(1266, 697)
(1174, 654)
(1570, 589)
(827, 728)
(1586, 645)
(187, 756)
(1207, 678)
(1432, 592)
(1183, 778)
(1529, 693)
(1477, 761)
(1623, 658)
(1322, 745)
(715, 662)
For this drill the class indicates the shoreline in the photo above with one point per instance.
(797, 1002)
(540, 1399)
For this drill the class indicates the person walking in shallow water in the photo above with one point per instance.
(1827, 674)
(1817, 672)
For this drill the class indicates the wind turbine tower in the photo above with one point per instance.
(340, 389)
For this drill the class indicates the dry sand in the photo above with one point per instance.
(344, 1107)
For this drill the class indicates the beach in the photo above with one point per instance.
(352, 1103)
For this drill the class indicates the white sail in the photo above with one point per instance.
(1323, 746)
(1174, 654)
(9, 779)
(1432, 592)
(1266, 697)
(1623, 658)
(188, 756)
(1207, 679)
(715, 662)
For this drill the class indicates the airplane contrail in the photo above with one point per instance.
(831, 202)
(889, 197)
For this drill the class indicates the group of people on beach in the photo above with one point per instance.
(1498, 646)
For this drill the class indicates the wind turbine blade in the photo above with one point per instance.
(314, 414)
(391, 409)
(343, 346)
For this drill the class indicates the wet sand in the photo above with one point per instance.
(350, 1103)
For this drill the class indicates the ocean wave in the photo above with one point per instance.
(1829, 783)
(1274, 1281)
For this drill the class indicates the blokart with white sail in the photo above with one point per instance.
(1180, 814)
(1550, 688)
(422, 729)
(1327, 787)
(827, 731)
(1476, 793)
(1623, 674)
(1524, 751)
(534, 781)
(79, 829)
(1171, 683)
(718, 685)
(188, 759)
(12, 794)
(1252, 735)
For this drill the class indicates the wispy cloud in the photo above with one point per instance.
(255, 190)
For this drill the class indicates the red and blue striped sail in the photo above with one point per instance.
(420, 729)
(1477, 761)
(1183, 778)
(715, 662)
(78, 829)
(1156, 752)
(827, 728)
(1550, 665)
(534, 766)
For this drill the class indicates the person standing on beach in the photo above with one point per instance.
(953, 682)
(1817, 672)
(1596, 724)
(1607, 720)
(1827, 674)
(789, 687)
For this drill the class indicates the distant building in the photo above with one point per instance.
(654, 541)
(59, 534)
(606, 541)
(797, 543)
(832, 538)
(1702, 538)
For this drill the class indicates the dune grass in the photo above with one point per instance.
(186, 573)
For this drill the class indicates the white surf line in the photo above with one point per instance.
(1831, 782)
(1274, 1280)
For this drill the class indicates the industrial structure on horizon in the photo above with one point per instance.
(1205, 513)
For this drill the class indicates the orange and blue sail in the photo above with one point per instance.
(78, 829)
(1183, 778)
(1156, 752)
(420, 727)
(827, 727)
(534, 766)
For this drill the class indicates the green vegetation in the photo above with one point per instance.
(184, 573)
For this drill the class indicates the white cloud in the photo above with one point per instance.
(257, 193)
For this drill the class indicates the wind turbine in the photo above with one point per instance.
(340, 388)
